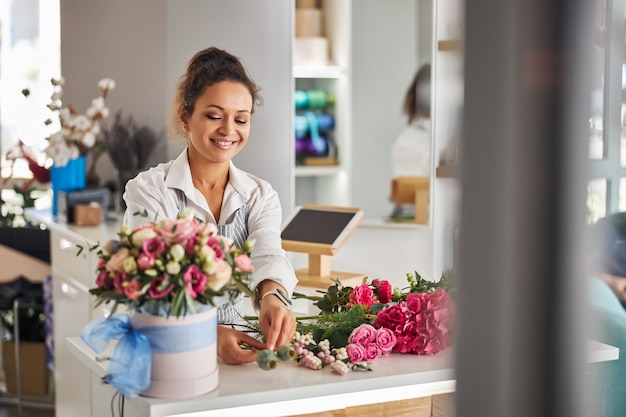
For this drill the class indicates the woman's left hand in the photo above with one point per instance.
(277, 322)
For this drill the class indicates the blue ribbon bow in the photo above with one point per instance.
(130, 365)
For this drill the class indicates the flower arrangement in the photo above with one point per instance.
(171, 266)
(78, 132)
(358, 324)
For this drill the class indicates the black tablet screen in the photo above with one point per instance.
(317, 226)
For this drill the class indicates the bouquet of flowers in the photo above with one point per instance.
(167, 267)
(358, 324)
(78, 132)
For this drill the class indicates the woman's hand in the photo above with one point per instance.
(277, 321)
(229, 348)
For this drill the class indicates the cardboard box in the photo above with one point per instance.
(68, 199)
(87, 214)
(33, 370)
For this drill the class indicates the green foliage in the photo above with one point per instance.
(335, 299)
(336, 327)
(419, 284)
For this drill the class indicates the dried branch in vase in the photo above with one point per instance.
(128, 144)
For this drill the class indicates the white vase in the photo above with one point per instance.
(185, 373)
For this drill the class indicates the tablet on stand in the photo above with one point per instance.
(320, 231)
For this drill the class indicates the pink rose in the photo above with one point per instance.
(362, 294)
(179, 230)
(221, 276)
(355, 352)
(384, 291)
(132, 290)
(160, 287)
(362, 335)
(385, 339)
(145, 261)
(243, 263)
(372, 351)
(195, 281)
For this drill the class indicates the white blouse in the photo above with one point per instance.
(156, 191)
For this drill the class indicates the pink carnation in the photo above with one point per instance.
(438, 299)
(415, 302)
(393, 317)
(362, 294)
(384, 291)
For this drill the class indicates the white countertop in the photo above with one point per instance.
(291, 389)
(91, 234)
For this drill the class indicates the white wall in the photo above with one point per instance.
(384, 61)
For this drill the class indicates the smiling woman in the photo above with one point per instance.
(212, 108)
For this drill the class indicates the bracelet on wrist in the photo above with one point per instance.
(279, 294)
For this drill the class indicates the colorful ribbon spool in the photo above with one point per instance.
(314, 99)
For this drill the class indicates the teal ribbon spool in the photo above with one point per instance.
(314, 99)
(317, 99)
(301, 99)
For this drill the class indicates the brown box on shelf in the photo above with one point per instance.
(87, 214)
(34, 373)
(320, 161)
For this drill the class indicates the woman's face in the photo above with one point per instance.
(220, 124)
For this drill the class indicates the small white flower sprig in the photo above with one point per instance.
(365, 344)
(78, 132)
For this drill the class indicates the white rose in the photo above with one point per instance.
(177, 251)
(187, 214)
(142, 235)
(172, 267)
(221, 277)
(209, 267)
(207, 253)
